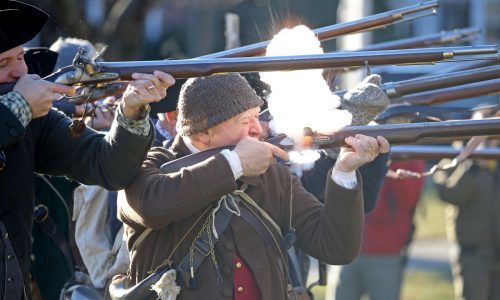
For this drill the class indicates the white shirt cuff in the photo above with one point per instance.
(347, 180)
(234, 161)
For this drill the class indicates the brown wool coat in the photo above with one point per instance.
(170, 204)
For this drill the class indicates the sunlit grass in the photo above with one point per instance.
(427, 285)
(429, 217)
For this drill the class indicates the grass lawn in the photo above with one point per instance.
(429, 216)
(430, 224)
(427, 285)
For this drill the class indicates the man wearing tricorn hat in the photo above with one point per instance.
(35, 138)
(176, 220)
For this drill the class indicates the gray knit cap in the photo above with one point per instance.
(207, 101)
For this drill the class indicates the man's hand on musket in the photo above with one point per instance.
(144, 89)
(362, 149)
(256, 156)
(40, 93)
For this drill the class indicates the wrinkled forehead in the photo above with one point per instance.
(248, 113)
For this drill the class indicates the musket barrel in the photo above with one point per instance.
(452, 93)
(411, 86)
(204, 67)
(412, 132)
(394, 133)
(404, 152)
(112, 71)
(332, 31)
(440, 38)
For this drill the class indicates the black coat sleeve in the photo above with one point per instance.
(373, 175)
(110, 160)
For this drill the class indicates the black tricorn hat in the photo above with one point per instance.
(169, 103)
(19, 23)
(40, 60)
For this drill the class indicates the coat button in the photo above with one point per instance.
(227, 292)
(226, 271)
(229, 246)
(13, 132)
(10, 256)
(238, 265)
(10, 279)
(240, 289)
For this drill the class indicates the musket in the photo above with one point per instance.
(426, 83)
(412, 86)
(329, 32)
(85, 71)
(454, 36)
(465, 91)
(425, 113)
(395, 133)
(406, 152)
(441, 38)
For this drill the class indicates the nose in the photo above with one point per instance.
(255, 129)
(18, 69)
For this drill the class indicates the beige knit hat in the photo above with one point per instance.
(207, 101)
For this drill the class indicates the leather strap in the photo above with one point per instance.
(267, 236)
(222, 218)
(50, 229)
(119, 289)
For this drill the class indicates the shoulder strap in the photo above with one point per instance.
(241, 193)
(286, 240)
(189, 265)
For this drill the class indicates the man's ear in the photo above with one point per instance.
(171, 116)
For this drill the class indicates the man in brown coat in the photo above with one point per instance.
(166, 214)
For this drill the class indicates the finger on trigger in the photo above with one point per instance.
(62, 89)
(57, 96)
(277, 151)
